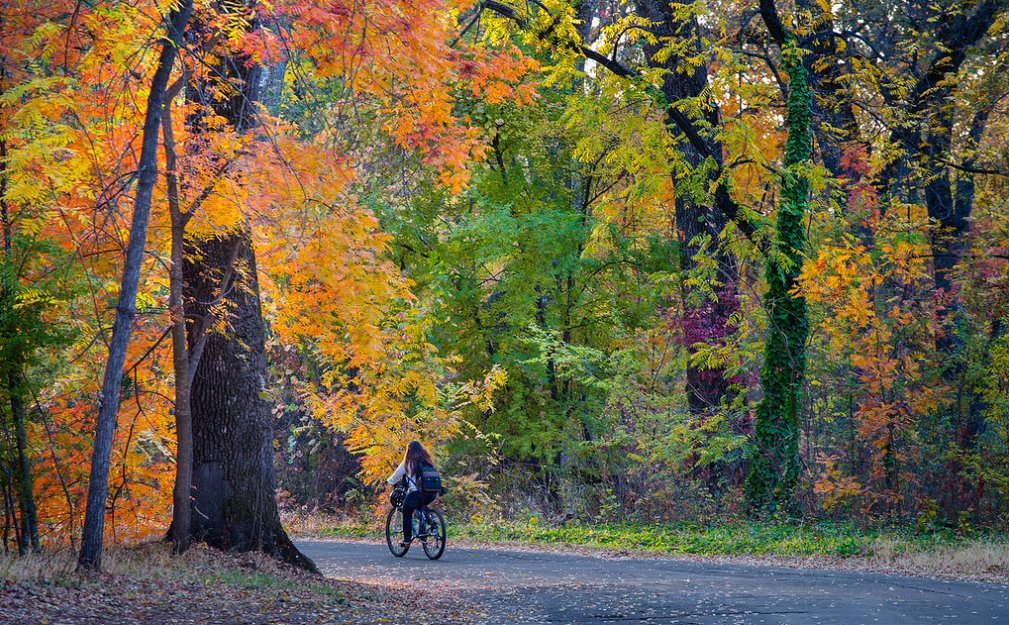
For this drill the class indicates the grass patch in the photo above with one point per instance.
(152, 563)
(735, 539)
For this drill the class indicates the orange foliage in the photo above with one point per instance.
(398, 54)
(73, 121)
(870, 319)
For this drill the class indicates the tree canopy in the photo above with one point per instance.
(679, 259)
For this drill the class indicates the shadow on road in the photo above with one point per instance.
(533, 587)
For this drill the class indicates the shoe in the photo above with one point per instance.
(405, 543)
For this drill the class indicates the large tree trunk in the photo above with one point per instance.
(234, 506)
(233, 483)
(232, 459)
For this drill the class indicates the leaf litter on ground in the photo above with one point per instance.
(144, 585)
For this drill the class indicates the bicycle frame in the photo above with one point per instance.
(427, 523)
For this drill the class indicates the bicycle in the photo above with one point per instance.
(428, 527)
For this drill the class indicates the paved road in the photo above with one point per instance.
(522, 587)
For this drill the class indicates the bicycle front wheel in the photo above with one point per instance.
(394, 532)
(434, 546)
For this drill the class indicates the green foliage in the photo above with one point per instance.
(531, 277)
(712, 538)
(748, 538)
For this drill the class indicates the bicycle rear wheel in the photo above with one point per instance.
(394, 532)
(434, 546)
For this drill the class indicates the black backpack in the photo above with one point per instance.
(429, 482)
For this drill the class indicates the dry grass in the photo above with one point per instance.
(972, 560)
(145, 562)
(53, 565)
(320, 524)
(145, 584)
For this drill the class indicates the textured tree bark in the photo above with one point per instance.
(90, 557)
(234, 505)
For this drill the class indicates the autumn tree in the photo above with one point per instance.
(604, 256)
(224, 491)
(91, 540)
(233, 504)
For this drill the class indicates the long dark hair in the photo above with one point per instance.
(415, 454)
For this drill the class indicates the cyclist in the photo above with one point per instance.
(410, 469)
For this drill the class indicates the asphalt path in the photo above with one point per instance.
(525, 587)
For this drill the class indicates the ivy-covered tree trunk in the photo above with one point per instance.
(775, 467)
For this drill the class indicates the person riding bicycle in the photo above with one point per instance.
(410, 469)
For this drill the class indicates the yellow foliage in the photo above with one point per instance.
(834, 487)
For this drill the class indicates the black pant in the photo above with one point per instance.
(413, 501)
